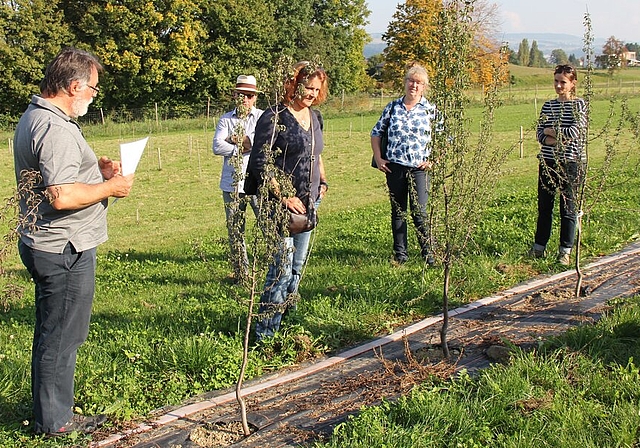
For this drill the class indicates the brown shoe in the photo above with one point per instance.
(564, 259)
(79, 423)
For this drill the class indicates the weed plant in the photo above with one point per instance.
(167, 324)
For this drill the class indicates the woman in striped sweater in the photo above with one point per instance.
(561, 132)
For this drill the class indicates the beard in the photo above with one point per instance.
(80, 107)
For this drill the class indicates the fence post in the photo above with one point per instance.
(199, 161)
(521, 142)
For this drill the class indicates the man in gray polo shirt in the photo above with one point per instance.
(59, 251)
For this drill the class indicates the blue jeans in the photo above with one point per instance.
(283, 279)
(300, 255)
(64, 288)
(411, 185)
(554, 176)
(276, 290)
(235, 214)
(301, 248)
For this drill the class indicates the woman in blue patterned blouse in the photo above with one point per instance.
(561, 133)
(407, 124)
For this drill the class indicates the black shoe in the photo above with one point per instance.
(399, 260)
(79, 423)
(535, 253)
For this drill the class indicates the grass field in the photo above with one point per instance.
(167, 322)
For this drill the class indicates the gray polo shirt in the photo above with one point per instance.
(49, 142)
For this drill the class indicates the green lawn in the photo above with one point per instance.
(167, 322)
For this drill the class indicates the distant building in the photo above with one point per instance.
(631, 58)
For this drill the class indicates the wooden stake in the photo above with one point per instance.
(521, 142)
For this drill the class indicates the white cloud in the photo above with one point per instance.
(512, 22)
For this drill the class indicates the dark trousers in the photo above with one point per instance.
(554, 176)
(408, 185)
(64, 288)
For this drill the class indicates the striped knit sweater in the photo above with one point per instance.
(569, 119)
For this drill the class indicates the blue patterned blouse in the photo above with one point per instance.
(409, 131)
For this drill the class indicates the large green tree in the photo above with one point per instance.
(536, 57)
(339, 40)
(179, 52)
(524, 53)
(236, 43)
(558, 56)
(414, 35)
(151, 49)
(31, 33)
(410, 36)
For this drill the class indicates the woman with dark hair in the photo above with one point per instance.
(561, 133)
(291, 135)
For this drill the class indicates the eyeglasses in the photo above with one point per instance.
(246, 95)
(414, 81)
(94, 88)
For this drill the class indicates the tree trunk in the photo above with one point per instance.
(577, 246)
(445, 310)
(243, 367)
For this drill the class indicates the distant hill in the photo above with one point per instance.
(547, 42)
(375, 46)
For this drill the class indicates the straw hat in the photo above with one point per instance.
(246, 83)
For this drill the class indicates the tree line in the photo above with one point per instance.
(181, 54)
(177, 52)
(612, 56)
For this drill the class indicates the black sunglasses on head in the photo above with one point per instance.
(563, 68)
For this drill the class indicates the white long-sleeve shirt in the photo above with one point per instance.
(221, 147)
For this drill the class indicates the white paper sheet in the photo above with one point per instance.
(130, 154)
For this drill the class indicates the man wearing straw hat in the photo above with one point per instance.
(233, 140)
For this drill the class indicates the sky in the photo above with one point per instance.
(618, 18)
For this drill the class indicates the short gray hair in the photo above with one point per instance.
(417, 71)
(71, 64)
